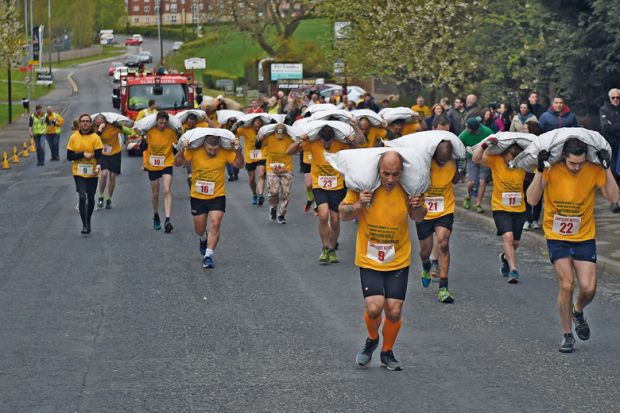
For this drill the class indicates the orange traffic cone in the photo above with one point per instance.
(25, 153)
(32, 148)
(5, 161)
(15, 157)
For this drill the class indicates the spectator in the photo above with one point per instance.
(445, 102)
(282, 101)
(610, 126)
(519, 122)
(477, 174)
(368, 103)
(314, 99)
(504, 118)
(350, 105)
(385, 103)
(557, 117)
(488, 120)
(272, 106)
(54, 127)
(292, 111)
(457, 116)
(536, 108)
(421, 108)
(255, 108)
(471, 107)
(436, 111)
(37, 125)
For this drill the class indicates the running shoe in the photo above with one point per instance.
(203, 246)
(156, 223)
(435, 268)
(261, 200)
(365, 355)
(444, 296)
(272, 213)
(505, 268)
(567, 344)
(526, 226)
(615, 208)
(207, 262)
(467, 203)
(337, 245)
(254, 199)
(108, 204)
(331, 256)
(513, 277)
(479, 209)
(168, 227)
(231, 178)
(425, 275)
(308, 206)
(100, 203)
(534, 225)
(324, 257)
(389, 361)
(281, 220)
(582, 329)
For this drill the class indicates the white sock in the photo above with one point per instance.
(209, 252)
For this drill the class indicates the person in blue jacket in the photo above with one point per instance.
(558, 116)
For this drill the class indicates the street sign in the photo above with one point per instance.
(195, 63)
(339, 67)
(227, 84)
(251, 95)
(240, 92)
(287, 71)
(45, 77)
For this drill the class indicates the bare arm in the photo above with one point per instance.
(350, 211)
(480, 156)
(610, 189)
(359, 138)
(417, 210)
(179, 159)
(535, 191)
(238, 162)
(295, 146)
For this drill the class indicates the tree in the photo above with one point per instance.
(110, 14)
(11, 41)
(269, 22)
(406, 40)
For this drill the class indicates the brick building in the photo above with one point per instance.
(143, 12)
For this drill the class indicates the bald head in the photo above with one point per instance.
(390, 169)
(471, 100)
(443, 153)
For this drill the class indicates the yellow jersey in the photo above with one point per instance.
(84, 143)
(158, 154)
(110, 140)
(439, 198)
(410, 127)
(208, 171)
(324, 176)
(383, 242)
(275, 152)
(569, 202)
(507, 186)
(372, 136)
(424, 111)
(250, 153)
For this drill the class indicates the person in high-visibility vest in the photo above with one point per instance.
(37, 127)
(54, 127)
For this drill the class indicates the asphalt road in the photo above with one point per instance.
(127, 320)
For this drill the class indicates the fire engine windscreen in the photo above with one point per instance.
(172, 96)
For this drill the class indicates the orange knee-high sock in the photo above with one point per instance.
(390, 331)
(372, 325)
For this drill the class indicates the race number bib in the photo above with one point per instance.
(205, 187)
(434, 203)
(309, 157)
(328, 182)
(511, 199)
(157, 160)
(566, 225)
(107, 149)
(85, 168)
(381, 253)
(256, 154)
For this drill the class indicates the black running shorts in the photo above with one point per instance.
(390, 284)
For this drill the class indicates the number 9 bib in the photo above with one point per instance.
(382, 253)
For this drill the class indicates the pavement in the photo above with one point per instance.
(126, 319)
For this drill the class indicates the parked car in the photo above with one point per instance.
(145, 56)
(113, 67)
(138, 37)
(133, 60)
(177, 45)
(354, 93)
(118, 72)
(130, 41)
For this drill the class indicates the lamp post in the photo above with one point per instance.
(49, 28)
(161, 42)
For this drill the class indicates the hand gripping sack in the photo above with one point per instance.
(393, 114)
(507, 139)
(111, 117)
(360, 168)
(149, 122)
(372, 116)
(332, 114)
(341, 130)
(182, 116)
(225, 114)
(195, 138)
(425, 143)
(270, 129)
(553, 142)
(317, 108)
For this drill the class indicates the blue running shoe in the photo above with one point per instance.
(207, 262)
(203, 247)
(513, 277)
(156, 223)
(254, 199)
(425, 275)
(505, 268)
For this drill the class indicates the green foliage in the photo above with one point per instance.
(110, 14)
(11, 39)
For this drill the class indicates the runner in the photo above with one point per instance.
(372, 134)
(327, 186)
(435, 230)
(306, 168)
(208, 197)
(254, 160)
(279, 172)
(569, 227)
(158, 151)
(84, 149)
(383, 254)
(110, 159)
(191, 123)
(507, 202)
